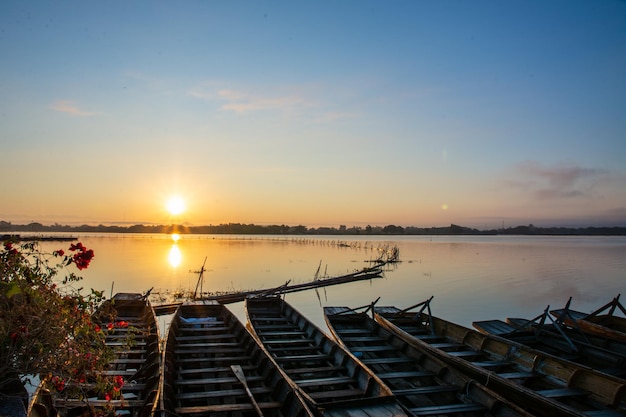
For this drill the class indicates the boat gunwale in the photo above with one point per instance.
(281, 394)
(577, 372)
(386, 397)
(470, 383)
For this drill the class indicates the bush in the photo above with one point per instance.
(46, 326)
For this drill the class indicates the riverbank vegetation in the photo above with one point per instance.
(253, 229)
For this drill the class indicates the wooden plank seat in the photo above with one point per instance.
(492, 364)
(214, 328)
(225, 408)
(563, 392)
(432, 389)
(324, 382)
(277, 327)
(209, 345)
(414, 330)
(404, 374)
(428, 337)
(293, 350)
(213, 370)
(363, 339)
(464, 353)
(296, 371)
(448, 345)
(303, 358)
(385, 361)
(218, 380)
(196, 337)
(378, 348)
(274, 319)
(517, 375)
(290, 341)
(184, 351)
(212, 359)
(497, 327)
(447, 409)
(339, 393)
(222, 393)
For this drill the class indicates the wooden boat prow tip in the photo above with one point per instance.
(607, 325)
(423, 383)
(138, 364)
(326, 375)
(207, 352)
(546, 384)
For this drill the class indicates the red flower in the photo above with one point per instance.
(110, 326)
(122, 324)
(8, 246)
(83, 258)
(59, 252)
(108, 396)
(79, 246)
(119, 382)
(59, 383)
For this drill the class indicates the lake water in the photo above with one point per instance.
(471, 277)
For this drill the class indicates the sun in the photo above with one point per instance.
(175, 205)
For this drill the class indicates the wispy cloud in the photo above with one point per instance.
(69, 107)
(240, 101)
(556, 182)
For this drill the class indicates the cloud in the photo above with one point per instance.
(69, 107)
(240, 101)
(559, 182)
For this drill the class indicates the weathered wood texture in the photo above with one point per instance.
(544, 383)
(424, 384)
(138, 362)
(204, 342)
(326, 374)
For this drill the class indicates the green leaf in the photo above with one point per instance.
(14, 289)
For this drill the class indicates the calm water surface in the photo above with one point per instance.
(470, 277)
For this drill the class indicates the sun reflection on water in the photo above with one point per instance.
(175, 256)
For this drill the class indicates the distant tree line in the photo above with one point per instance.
(253, 229)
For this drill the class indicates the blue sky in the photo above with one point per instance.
(326, 113)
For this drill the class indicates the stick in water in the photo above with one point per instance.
(242, 378)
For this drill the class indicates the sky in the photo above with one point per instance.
(413, 113)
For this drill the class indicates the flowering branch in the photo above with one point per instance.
(46, 326)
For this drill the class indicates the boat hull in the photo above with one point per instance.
(137, 360)
(545, 384)
(205, 341)
(332, 380)
(422, 382)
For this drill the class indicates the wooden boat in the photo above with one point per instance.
(327, 376)
(423, 384)
(213, 367)
(607, 325)
(138, 362)
(542, 383)
(545, 334)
